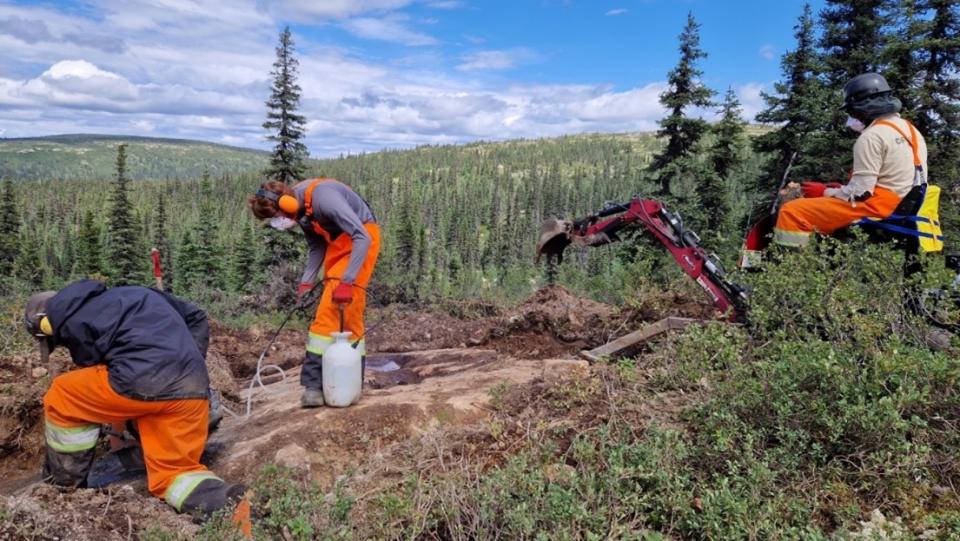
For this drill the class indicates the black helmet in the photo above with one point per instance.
(863, 86)
(36, 321)
(35, 311)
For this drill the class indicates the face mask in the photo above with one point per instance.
(855, 125)
(282, 223)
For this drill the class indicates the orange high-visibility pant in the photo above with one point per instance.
(800, 218)
(327, 319)
(172, 432)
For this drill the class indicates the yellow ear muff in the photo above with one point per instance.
(45, 326)
(289, 204)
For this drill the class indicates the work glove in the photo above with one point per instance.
(816, 189)
(343, 294)
(303, 289)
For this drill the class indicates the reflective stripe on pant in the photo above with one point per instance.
(172, 432)
(800, 218)
(327, 318)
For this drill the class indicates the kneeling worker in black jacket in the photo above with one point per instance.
(141, 353)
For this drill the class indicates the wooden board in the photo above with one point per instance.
(639, 336)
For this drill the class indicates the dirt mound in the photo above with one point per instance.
(44, 512)
(553, 322)
(398, 328)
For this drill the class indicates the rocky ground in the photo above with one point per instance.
(427, 371)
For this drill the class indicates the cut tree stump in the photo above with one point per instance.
(638, 337)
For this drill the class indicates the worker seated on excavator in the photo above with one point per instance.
(140, 354)
(889, 160)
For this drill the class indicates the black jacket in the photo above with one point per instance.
(153, 343)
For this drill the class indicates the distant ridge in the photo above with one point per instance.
(81, 138)
(79, 156)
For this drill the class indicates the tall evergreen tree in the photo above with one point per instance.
(938, 113)
(209, 264)
(161, 240)
(89, 261)
(686, 91)
(188, 264)
(126, 257)
(9, 228)
(797, 107)
(854, 41)
(28, 265)
(243, 264)
(726, 152)
(902, 53)
(285, 125)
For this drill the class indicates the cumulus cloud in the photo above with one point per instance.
(617, 11)
(199, 69)
(392, 29)
(497, 60)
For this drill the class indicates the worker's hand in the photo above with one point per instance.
(812, 189)
(343, 294)
(303, 289)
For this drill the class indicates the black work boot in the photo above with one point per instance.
(312, 398)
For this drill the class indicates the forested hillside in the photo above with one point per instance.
(460, 221)
(91, 157)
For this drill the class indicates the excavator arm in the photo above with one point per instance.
(605, 226)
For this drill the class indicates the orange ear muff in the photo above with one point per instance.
(289, 204)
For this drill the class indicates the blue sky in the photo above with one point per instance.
(376, 73)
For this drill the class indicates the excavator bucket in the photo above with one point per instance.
(554, 239)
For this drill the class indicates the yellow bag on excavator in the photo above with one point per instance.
(917, 216)
(928, 221)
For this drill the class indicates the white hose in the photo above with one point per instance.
(257, 380)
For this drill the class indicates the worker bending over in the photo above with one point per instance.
(343, 239)
(141, 358)
(889, 159)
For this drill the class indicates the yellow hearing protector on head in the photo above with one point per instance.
(45, 326)
(286, 203)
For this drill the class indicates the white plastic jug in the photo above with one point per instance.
(342, 372)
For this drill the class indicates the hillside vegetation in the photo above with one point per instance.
(90, 157)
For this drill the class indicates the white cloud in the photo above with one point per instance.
(497, 60)
(751, 99)
(199, 69)
(768, 52)
(311, 10)
(617, 11)
(390, 29)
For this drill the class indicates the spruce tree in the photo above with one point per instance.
(854, 42)
(161, 240)
(209, 263)
(9, 228)
(686, 91)
(285, 125)
(89, 261)
(938, 113)
(726, 152)
(243, 264)
(188, 265)
(797, 108)
(28, 266)
(725, 155)
(126, 257)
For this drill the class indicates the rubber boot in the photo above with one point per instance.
(312, 398)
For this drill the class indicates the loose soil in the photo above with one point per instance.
(426, 372)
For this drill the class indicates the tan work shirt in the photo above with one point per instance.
(882, 157)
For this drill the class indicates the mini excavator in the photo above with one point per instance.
(729, 298)
(608, 224)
